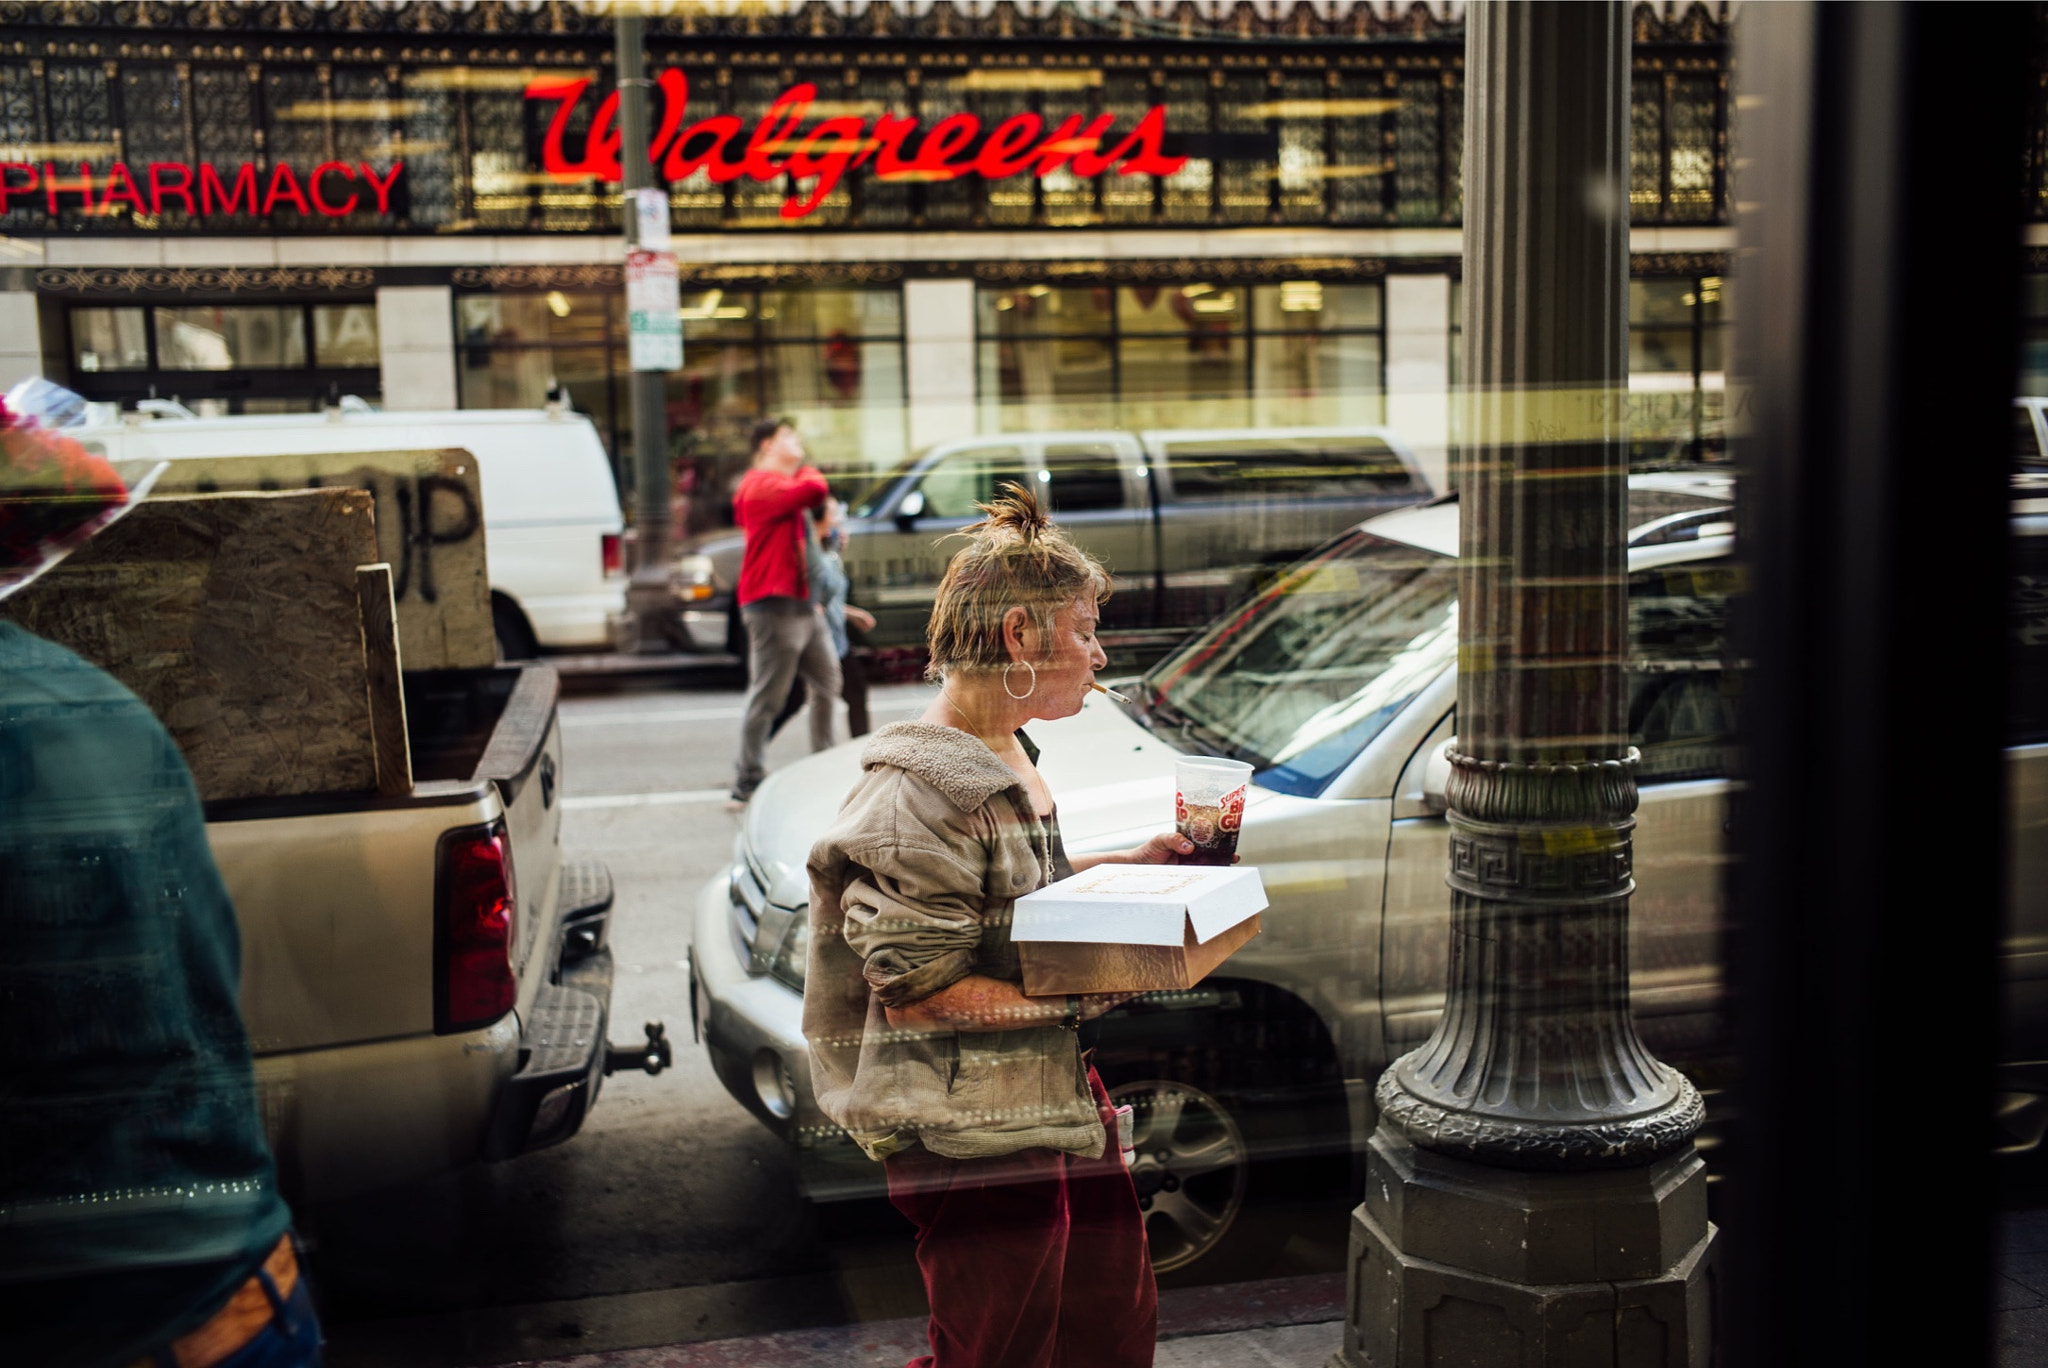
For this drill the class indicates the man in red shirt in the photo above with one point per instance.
(786, 633)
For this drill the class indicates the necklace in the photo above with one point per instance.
(1044, 823)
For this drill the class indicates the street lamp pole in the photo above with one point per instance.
(1533, 1196)
(644, 385)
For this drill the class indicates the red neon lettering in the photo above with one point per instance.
(776, 146)
(313, 185)
(121, 186)
(1139, 151)
(284, 184)
(382, 188)
(210, 189)
(160, 189)
(35, 178)
(845, 133)
(792, 105)
(948, 136)
(1000, 157)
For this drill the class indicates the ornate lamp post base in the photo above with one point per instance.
(1462, 1265)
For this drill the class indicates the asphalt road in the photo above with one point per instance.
(674, 1214)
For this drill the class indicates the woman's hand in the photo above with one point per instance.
(861, 618)
(1165, 848)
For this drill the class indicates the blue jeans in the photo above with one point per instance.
(291, 1340)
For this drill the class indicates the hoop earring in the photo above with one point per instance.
(1030, 689)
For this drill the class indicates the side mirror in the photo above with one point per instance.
(910, 510)
(1436, 778)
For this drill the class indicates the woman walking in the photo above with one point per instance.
(991, 1123)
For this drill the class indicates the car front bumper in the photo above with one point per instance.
(751, 1025)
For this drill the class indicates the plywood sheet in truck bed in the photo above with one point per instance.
(430, 529)
(236, 618)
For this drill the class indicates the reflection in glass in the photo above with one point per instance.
(223, 337)
(823, 313)
(345, 335)
(956, 484)
(108, 340)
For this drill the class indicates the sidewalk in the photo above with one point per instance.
(1280, 1323)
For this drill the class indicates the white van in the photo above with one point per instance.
(551, 509)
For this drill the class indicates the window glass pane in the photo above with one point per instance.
(1040, 384)
(1202, 309)
(1310, 367)
(1682, 702)
(230, 338)
(1311, 306)
(510, 378)
(345, 335)
(1041, 309)
(2028, 672)
(956, 484)
(1085, 476)
(556, 317)
(2026, 445)
(108, 340)
(1659, 349)
(1197, 376)
(821, 313)
(845, 397)
(717, 316)
(1285, 468)
(2036, 287)
(1661, 300)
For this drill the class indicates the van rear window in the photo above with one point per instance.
(1285, 468)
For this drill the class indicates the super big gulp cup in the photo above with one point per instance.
(1208, 806)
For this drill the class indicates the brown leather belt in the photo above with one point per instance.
(245, 1316)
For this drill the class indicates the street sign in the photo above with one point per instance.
(654, 324)
(650, 218)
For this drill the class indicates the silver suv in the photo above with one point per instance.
(1339, 684)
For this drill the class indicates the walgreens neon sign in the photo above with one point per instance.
(820, 156)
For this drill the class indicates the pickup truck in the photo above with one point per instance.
(426, 978)
(1185, 521)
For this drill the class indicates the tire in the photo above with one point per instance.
(515, 637)
(1239, 1120)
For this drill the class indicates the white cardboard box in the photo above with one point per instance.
(1134, 928)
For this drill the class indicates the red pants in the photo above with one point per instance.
(1033, 1260)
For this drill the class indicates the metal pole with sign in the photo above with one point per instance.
(654, 327)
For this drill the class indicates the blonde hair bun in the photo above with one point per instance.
(1015, 557)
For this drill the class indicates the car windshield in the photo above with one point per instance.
(1299, 678)
(869, 501)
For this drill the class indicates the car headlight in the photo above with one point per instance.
(792, 955)
(694, 578)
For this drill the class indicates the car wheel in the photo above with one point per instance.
(1190, 1165)
(515, 637)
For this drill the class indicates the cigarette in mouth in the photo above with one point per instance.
(1111, 692)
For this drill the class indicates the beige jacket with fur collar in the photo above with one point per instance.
(911, 891)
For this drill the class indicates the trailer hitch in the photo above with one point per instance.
(653, 1056)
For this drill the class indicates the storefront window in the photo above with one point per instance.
(1180, 356)
(230, 338)
(2034, 335)
(109, 340)
(1677, 330)
(345, 335)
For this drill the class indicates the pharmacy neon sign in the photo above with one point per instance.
(331, 189)
(899, 148)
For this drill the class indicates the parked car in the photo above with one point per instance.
(551, 519)
(1185, 520)
(1339, 683)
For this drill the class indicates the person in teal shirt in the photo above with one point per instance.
(140, 1218)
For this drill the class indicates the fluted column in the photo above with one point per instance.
(1533, 1196)
(1535, 1063)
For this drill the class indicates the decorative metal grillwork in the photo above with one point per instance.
(1419, 150)
(21, 137)
(1362, 131)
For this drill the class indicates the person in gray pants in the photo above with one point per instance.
(786, 632)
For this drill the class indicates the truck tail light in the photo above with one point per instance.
(474, 985)
(612, 552)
